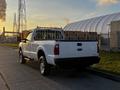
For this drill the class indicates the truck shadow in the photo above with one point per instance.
(71, 79)
(58, 72)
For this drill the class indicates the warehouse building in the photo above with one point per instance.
(107, 28)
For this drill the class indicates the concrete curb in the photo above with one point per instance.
(104, 74)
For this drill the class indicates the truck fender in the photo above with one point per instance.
(41, 51)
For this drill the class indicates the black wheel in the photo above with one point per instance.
(21, 58)
(44, 67)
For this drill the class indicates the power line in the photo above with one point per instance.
(14, 24)
(22, 22)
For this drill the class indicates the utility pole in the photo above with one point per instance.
(3, 31)
(22, 22)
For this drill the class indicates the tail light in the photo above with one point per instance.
(98, 47)
(56, 49)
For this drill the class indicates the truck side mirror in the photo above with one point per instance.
(24, 40)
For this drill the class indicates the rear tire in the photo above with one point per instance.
(21, 58)
(44, 67)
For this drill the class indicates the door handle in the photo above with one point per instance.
(79, 44)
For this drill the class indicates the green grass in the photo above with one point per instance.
(15, 45)
(110, 61)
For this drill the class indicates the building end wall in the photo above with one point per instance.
(114, 40)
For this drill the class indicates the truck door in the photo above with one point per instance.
(27, 45)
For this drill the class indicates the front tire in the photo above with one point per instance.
(44, 67)
(21, 58)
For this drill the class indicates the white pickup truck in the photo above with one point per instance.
(48, 47)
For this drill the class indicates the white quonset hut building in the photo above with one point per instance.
(107, 27)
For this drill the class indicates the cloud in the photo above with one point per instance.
(66, 20)
(107, 2)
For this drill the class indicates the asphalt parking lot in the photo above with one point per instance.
(14, 76)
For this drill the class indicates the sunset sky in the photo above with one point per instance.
(59, 12)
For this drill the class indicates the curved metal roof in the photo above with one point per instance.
(97, 24)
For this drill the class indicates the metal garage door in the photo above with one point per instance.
(118, 35)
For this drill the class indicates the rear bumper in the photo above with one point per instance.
(77, 62)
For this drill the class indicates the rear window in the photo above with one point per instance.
(48, 35)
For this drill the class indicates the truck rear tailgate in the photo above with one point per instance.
(73, 49)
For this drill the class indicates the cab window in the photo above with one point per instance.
(29, 37)
(48, 35)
